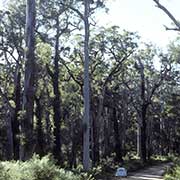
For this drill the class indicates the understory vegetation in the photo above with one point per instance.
(174, 172)
(37, 169)
(45, 168)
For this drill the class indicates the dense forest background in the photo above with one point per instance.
(86, 94)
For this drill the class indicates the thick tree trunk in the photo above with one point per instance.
(106, 151)
(75, 143)
(143, 134)
(97, 120)
(161, 140)
(86, 119)
(48, 136)
(96, 154)
(143, 110)
(28, 97)
(118, 149)
(15, 121)
(94, 135)
(9, 111)
(124, 123)
(73, 155)
(149, 139)
(57, 121)
(57, 101)
(139, 153)
(40, 134)
(9, 146)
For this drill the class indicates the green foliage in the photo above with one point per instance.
(4, 174)
(90, 175)
(35, 169)
(174, 173)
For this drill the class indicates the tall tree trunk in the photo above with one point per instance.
(75, 142)
(86, 119)
(143, 134)
(118, 149)
(96, 126)
(9, 146)
(15, 121)
(94, 133)
(149, 139)
(143, 110)
(40, 134)
(9, 111)
(106, 134)
(161, 130)
(28, 97)
(139, 124)
(95, 147)
(48, 132)
(139, 140)
(124, 123)
(57, 102)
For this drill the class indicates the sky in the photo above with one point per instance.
(143, 17)
(140, 16)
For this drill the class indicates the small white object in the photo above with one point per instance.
(121, 172)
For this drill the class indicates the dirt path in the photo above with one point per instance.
(151, 173)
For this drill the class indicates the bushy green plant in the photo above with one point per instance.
(4, 174)
(174, 173)
(169, 177)
(91, 175)
(35, 169)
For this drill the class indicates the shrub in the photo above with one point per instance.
(91, 175)
(174, 173)
(35, 169)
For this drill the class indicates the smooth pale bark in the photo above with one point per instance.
(86, 119)
(28, 96)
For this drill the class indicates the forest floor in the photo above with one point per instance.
(150, 173)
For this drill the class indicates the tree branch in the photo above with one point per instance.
(49, 71)
(168, 13)
(71, 74)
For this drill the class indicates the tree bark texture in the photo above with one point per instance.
(28, 97)
(57, 99)
(15, 121)
(118, 149)
(39, 134)
(86, 119)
